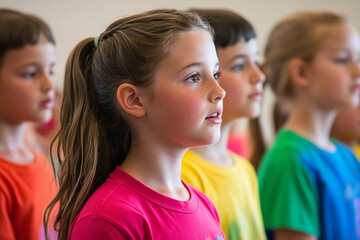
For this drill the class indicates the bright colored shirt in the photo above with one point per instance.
(124, 208)
(25, 192)
(234, 192)
(239, 144)
(311, 190)
(357, 151)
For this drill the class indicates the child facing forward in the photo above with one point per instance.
(126, 123)
(226, 178)
(26, 95)
(309, 183)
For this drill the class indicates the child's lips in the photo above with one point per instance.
(256, 95)
(216, 114)
(47, 103)
(215, 117)
(355, 88)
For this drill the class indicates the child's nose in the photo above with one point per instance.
(257, 75)
(356, 69)
(218, 93)
(46, 83)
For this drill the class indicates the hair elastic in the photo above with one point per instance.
(96, 41)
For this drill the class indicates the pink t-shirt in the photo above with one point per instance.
(124, 208)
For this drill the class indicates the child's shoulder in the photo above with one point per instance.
(287, 138)
(108, 214)
(37, 162)
(111, 200)
(289, 143)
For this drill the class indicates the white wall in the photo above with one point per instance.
(74, 20)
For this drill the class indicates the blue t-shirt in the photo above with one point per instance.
(308, 189)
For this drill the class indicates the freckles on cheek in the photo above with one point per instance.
(192, 107)
(187, 112)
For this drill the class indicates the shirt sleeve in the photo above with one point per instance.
(96, 228)
(6, 229)
(288, 194)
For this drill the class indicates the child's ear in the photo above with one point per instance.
(298, 74)
(129, 99)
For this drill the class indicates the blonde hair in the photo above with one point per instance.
(296, 36)
(94, 136)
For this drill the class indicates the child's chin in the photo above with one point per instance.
(45, 117)
(205, 141)
(46, 127)
(213, 140)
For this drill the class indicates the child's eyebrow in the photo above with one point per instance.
(195, 64)
(257, 53)
(238, 56)
(35, 64)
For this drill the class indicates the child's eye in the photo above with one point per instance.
(29, 75)
(341, 60)
(193, 78)
(217, 76)
(238, 67)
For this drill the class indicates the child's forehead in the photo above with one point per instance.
(192, 40)
(339, 36)
(242, 47)
(42, 51)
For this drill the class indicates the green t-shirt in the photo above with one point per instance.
(308, 189)
(287, 192)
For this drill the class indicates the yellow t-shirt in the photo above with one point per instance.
(233, 190)
(357, 151)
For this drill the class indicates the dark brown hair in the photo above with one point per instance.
(229, 27)
(20, 29)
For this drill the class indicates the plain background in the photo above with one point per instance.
(73, 20)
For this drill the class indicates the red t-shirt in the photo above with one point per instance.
(25, 192)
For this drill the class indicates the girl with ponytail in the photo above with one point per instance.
(135, 99)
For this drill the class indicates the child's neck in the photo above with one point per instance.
(218, 153)
(312, 124)
(12, 144)
(157, 168)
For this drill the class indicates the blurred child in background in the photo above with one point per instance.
(26, 95)
(310, 184)
(228, 179)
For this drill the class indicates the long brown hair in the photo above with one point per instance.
(94, 136)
